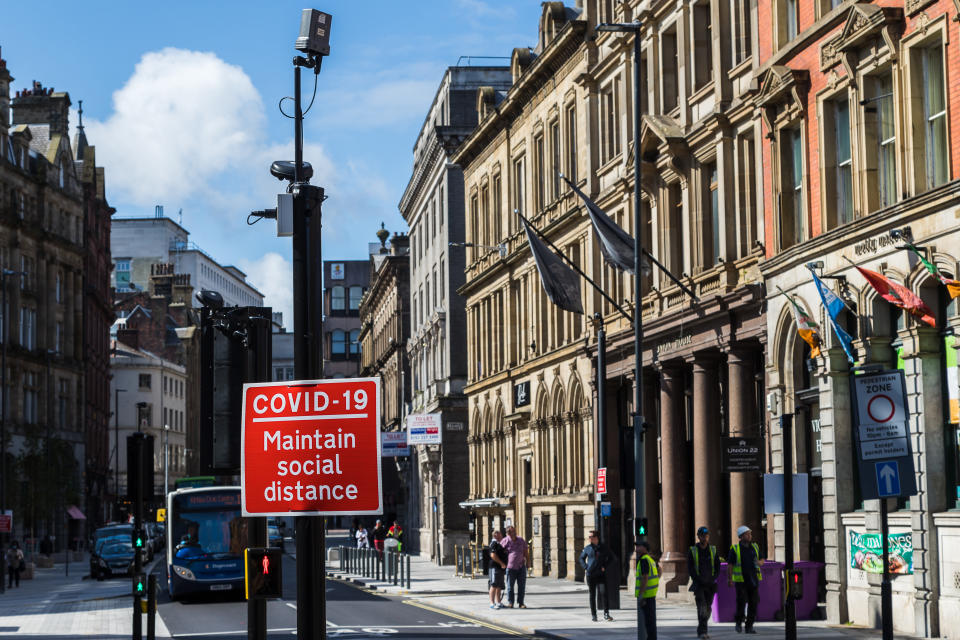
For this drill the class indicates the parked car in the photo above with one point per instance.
(112, 556)
(274, 538)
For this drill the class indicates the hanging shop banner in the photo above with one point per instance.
(866, 552)
(742, 455)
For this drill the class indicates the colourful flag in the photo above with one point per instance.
(834, 305)
(899, 296)
(953, 286)
(806, 327)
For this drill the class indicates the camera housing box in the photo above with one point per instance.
(284, 215)
(314, 36)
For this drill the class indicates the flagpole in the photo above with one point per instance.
(570, 262)
(670, 275)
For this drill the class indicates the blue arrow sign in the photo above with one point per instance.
(888, 478)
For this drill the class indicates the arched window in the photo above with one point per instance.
(338, 298)
(339, 342)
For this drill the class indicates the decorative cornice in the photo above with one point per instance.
(781, 85)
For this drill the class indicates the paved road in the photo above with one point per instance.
(352, 612)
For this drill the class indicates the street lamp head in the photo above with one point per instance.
(628, 27)
(284, 170)
(210, 299)
(314, 38)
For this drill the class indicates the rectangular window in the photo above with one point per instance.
(711, 240)
(443, 293)
(145, 381)
(746, 195)
(58, 288)
(338, 298)
(673, 229)
(356, 294)
(28, 328)
(610, 112)
(121, 269)
(844, 162)
(702, 44)
(886, 140)
(58, 338)
(539, 170)
(497, 208)
(571, 132)
(791, 22)
(742, 36)
(555, 167)
(669, 69)
(935, 116)
(791, 187)
(518, 188)
(62, 403)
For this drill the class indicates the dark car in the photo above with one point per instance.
(274, 538)
(112, 556)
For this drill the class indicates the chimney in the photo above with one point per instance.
(40, 105)
(5, 79)
(129, 337)
(400, 244)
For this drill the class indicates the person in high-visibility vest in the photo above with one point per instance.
(743, 572)
(396, 532)
(703, 565)
(647, 582)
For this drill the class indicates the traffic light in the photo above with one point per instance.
(137, 539)
(263, 573)
(794, 584)
(140, 584)
(642, 528)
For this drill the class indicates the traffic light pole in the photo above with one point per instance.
(137, 526)
(790, 605)
(308, 364)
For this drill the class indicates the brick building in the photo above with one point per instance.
(344, 283)
(855, 100)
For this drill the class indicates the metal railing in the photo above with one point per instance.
(387, 566)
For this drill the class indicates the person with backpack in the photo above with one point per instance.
(703, 566)
(594, 559)
(498, 570)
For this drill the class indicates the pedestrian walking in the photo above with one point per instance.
(379, 535)
(396, 532)
(743, 572)
(647, 583)
(703, 566)
(363, 538)
(517, 550)
(46, 546)
(498, 568)
(14, 564)
(594, 559)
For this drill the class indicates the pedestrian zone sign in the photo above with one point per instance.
(882, 434)
(311, 448)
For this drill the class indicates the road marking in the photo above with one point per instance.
(228, 633)
(450, 614)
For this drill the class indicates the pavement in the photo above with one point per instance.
(55, 606)
(559, 609)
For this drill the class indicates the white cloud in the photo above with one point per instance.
(377, 104)
(182, 119)
(272, 274)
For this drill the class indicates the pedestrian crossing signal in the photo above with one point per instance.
(263, 573)
(642, 527)
(139, 584)
(137, 539)
(794, 584)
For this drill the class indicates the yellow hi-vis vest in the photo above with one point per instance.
(695, 550)
(652, 581)
(737, 569)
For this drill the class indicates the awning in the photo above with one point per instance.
(75, 513)
(480, 502)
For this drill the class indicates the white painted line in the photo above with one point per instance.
(337, 416)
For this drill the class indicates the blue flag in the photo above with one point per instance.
(834, 305)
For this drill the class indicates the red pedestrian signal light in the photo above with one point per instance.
(794, 584)
(263, 573)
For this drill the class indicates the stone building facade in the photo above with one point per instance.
(344, 283)
(42, 210)
(433, 206)
(384, 333)
(856, 101)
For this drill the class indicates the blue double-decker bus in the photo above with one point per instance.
(206, 536)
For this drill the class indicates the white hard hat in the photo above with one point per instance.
(742, 529)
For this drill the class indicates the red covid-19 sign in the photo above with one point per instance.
(311, 448)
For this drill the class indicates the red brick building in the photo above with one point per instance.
(856, 102)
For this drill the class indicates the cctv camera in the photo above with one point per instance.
(284, 170)
(314, 38)
(210, 299)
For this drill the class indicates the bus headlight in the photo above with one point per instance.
(184, 573)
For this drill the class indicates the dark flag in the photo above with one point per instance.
(615, 243)
(559, 281)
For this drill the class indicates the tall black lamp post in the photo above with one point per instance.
(639, 506)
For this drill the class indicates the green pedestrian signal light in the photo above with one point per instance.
(137, 539)
(642, 527)
(139, 584)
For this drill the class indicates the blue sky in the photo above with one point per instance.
(180, 100)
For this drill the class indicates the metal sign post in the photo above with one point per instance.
(884, 457)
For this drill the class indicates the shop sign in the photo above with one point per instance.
(742, 455)
(424, 428)
(521, 394)
(866, 552)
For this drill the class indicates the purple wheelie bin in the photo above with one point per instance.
(811, 581)
(770, 600)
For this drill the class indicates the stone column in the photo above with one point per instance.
(706, 446)
(674, 478)
(744, 487)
